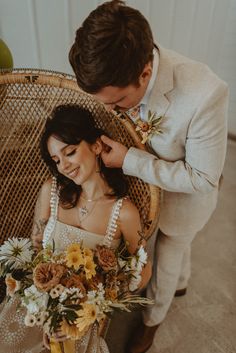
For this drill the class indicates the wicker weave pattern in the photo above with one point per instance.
(27, 98)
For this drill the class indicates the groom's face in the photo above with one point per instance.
(124, 98)
(120, 98)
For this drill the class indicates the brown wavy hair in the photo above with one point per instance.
(111, 48)
(71, 124)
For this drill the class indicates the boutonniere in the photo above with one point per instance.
(150, 127)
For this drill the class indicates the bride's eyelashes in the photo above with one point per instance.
(71, 153)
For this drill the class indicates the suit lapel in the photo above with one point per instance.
(158, 101)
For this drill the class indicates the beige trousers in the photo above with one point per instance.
(171, 271)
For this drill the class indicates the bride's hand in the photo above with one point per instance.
(46, 341)
(57, 336)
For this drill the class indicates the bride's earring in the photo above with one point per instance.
(98, 163)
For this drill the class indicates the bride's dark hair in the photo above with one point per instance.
(71, 124)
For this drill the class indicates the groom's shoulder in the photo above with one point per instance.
(189, 68)
(189, 73)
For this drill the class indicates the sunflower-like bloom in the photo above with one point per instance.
(88, 252)
(89, 267)
(75, 247)
(72, 331)
(74, 259)
(86, 316)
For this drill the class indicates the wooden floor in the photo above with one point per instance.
(203, 321)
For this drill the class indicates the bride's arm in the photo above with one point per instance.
(131, 230)
(41, 215)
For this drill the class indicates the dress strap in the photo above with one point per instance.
(53, 216)
(54, 198)
(112, 224)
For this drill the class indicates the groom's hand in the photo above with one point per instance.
(114, 155)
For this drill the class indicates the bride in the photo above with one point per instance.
(83, 202)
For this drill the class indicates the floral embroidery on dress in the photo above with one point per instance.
(150, 127)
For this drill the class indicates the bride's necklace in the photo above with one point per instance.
(84, 211)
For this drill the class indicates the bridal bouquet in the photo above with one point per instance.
(70, 290)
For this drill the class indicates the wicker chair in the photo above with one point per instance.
(27, 97)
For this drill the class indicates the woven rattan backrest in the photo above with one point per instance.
(27, 97)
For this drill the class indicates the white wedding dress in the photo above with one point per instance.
(15, 336)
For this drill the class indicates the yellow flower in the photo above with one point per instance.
(75, 247)
(72, 331)
(86, 316)
(88, 252)
(89, 267)
(74, 259)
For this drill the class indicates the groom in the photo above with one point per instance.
(115, 59)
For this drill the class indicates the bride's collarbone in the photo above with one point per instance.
(92, 219)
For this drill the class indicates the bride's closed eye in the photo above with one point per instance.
(68, 154)
(71, 153)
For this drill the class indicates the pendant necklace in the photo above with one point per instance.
(84, 211)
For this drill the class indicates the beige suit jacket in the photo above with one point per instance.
(189, 156)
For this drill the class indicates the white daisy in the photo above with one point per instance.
(142, 254)
(16, 252)
(30, 320)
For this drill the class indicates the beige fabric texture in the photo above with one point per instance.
(189, 155)
(187, 162)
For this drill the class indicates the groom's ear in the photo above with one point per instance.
(97, 146)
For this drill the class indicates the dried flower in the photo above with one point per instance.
(12, 285)
(150, 127)
(74, 281)
(47, 275)
(57, 291)
(72, 289)
(106, 258)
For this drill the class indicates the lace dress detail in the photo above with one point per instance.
(65, 234)
(15, 336)
(53, 216)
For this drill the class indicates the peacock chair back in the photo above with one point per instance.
(27, 98)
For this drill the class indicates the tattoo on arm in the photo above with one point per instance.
(39, 226)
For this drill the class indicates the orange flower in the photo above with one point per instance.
(74, 281)
(111, 293)
(47, 275)
(92, 284)
(106, 258)
(12, 285)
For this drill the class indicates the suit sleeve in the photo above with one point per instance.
(205, 149)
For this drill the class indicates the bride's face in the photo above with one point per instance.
(76, 162)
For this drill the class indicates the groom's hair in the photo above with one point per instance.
(111, 48)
